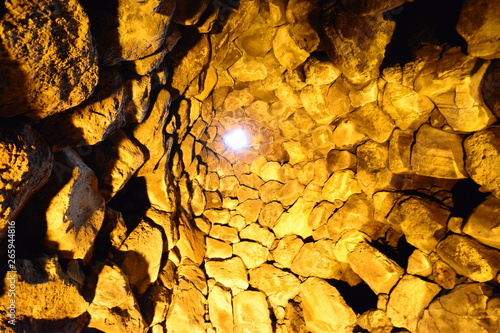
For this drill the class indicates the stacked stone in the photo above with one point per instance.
(345, 164)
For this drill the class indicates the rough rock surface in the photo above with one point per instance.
(363, 195)
(356, 43)
(128, 30)
(483, 39)
(42, 280)
(481, 151)
(114, 308)
(26, 166)
(324, 308)
(48, 61)
(75, 210)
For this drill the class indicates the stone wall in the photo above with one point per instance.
(368, 199)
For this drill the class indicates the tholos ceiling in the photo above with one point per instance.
(258, 166)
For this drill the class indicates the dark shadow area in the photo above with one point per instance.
(3, 9)
(400, 254)
(490, 87)
(60, 130)
(132, 201)
(103, 16)
(466, 196)
(14, 82)
(32, 325)
(421, 22)
(360, 297)
(190, 37)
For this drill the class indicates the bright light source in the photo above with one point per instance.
(236, 139)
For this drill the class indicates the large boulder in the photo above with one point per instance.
(324, 308)
(114, 308)
(127, 29)
(92, 121)
(43, 283)
(26, 163)
(356, 44)
(479, 27)
(48, 60)
(482, 158)
(75, 208)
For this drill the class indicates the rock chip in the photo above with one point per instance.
(295, 220)
(279, 286)
(26, 163)
(372, 172)
(406, 107)
(224, 233)
(114, 308)
(256, 233)
(437, 153)
(289, 52)
(483, 223)
(218, 249)
(409, 299)
(340, 186)
(320, 72)
(482, 156)
(356, 44)
(340, 159)
(49, 62)
(75, 209)
(114, 161)
(324, 308)
(419, 264)
(253, 254)
(220, 309)
(231, 273)
(469, 257)
(187, 310)
(250, 209)
(270, 214)
(422, 221)
(357, 213)
(127, 30)
(251, 314)
(286, 250)
(375, 321)
(141, 257)
(317, 259)
(462, 310)
(373, 121)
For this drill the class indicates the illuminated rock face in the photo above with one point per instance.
(361, 192)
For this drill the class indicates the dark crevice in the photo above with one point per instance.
(360, 297)
(132, 201)
(400, 254)
(466, 197)
(422, 22)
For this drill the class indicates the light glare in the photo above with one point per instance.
(236, 139)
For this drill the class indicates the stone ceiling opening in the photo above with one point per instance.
(363, 196)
